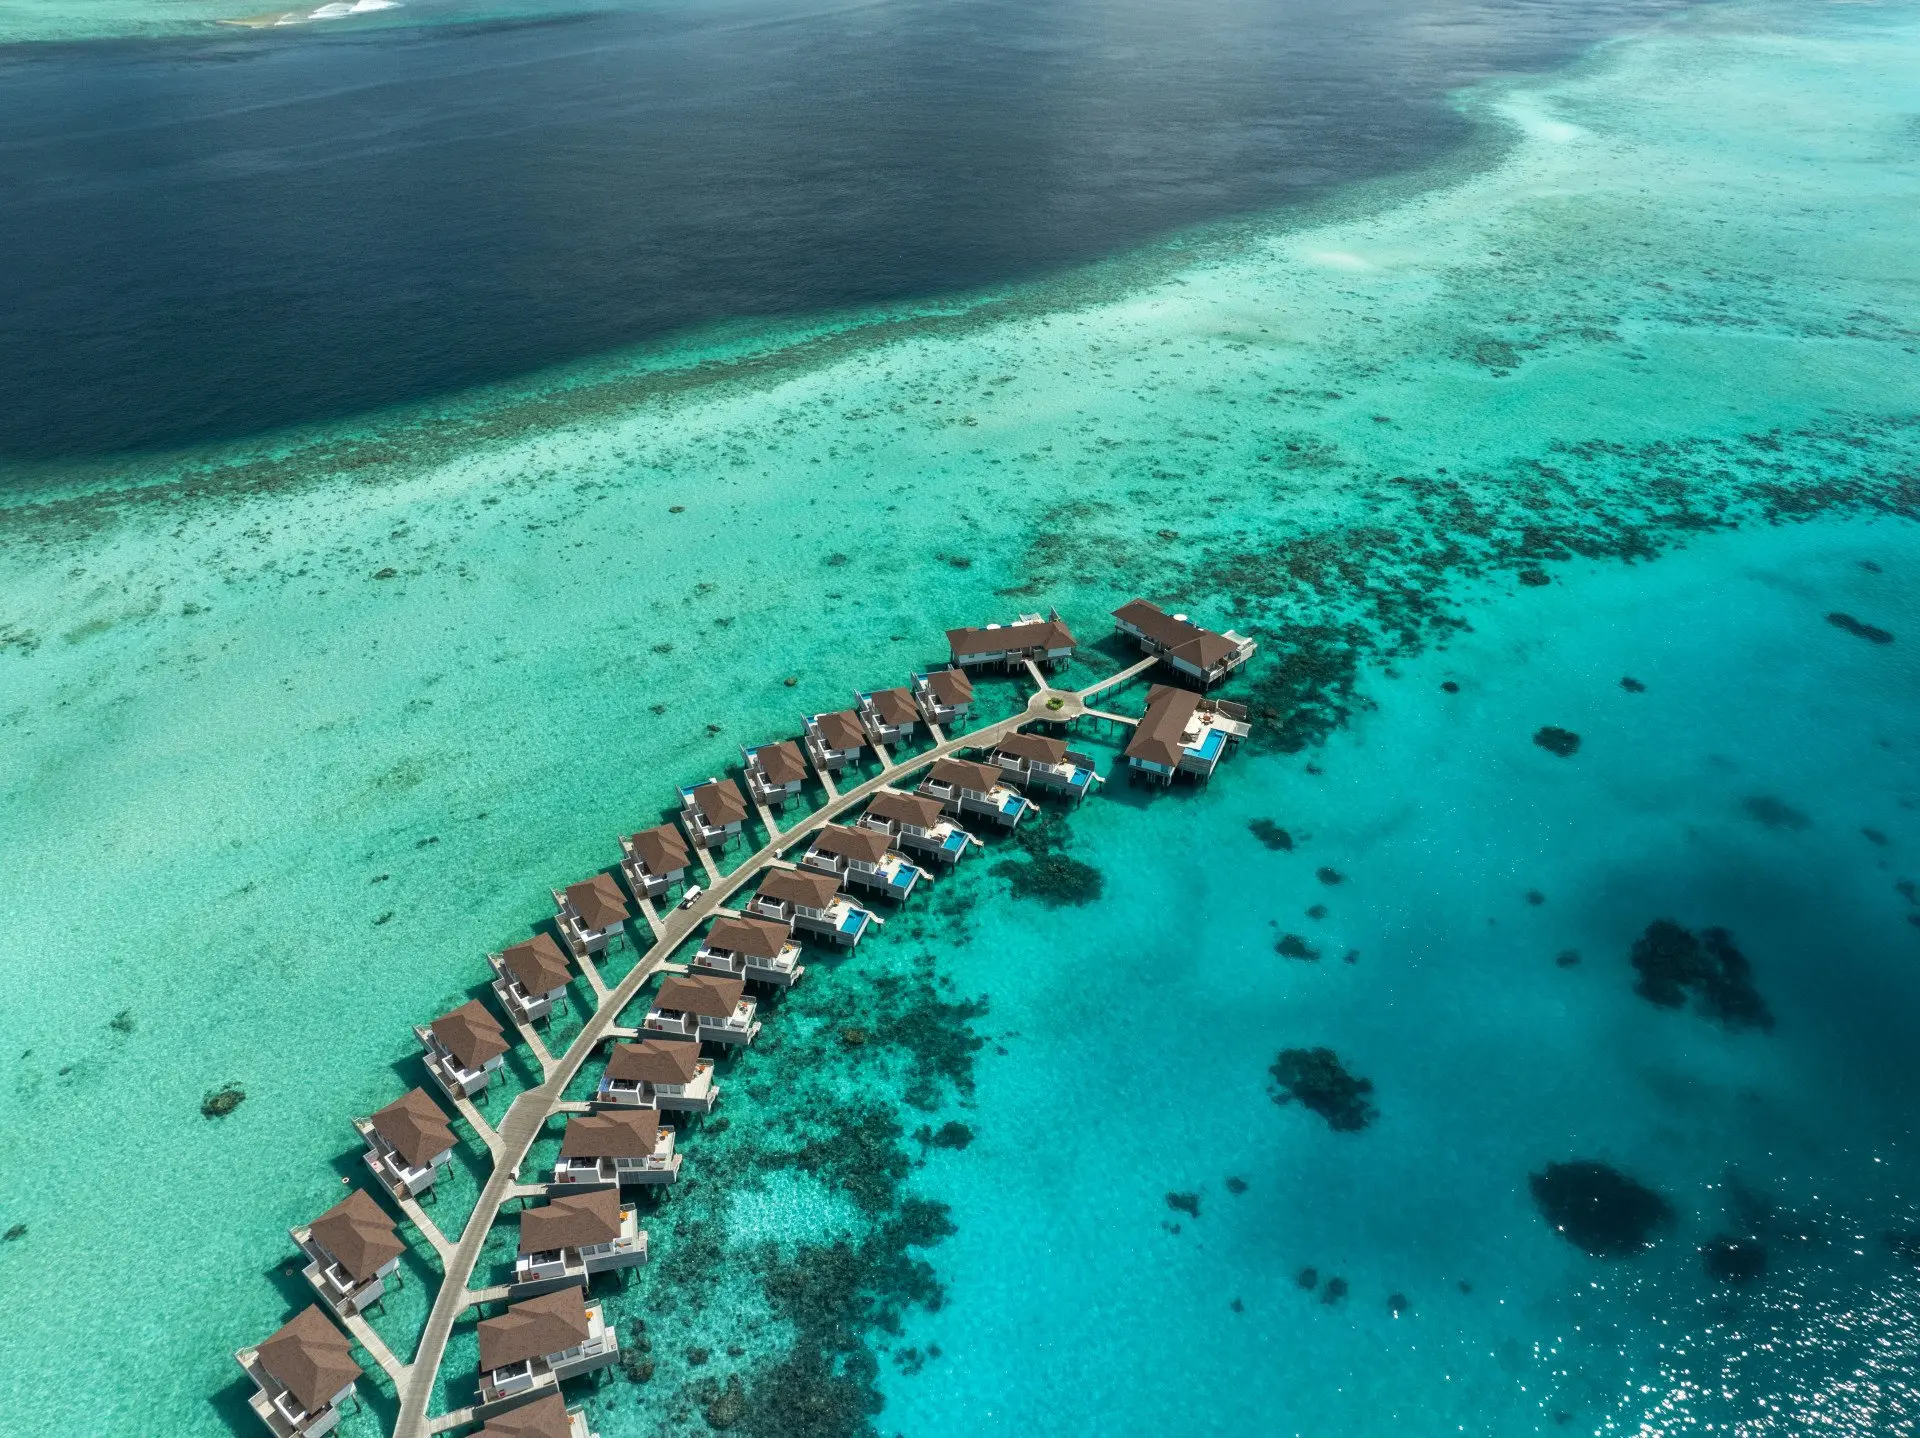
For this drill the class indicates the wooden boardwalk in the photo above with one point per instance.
(524, 1120)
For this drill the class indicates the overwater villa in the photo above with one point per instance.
(624, 1147)
(707, 1007)
(656, 859)
(917, 825)
(663, 1074)
(759, 950)
(301, 1376)
(408, 1143)
(547, 1417)
(1046, 642)
(812, 903)
(1034, 760)
(713, 812)
(945, 696)
(464, 1049)
(835, 740)
(352, 1248)
(1183, 733)
(530, 978)
(1184, 646)
(775, 772)
(889, 716)
(592, 914)
(540, 1342)
(565, 1243)
(862, 857)
(964, 787)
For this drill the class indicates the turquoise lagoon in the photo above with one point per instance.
(294, 735)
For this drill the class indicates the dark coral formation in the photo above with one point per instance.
(1056, 880)
(953, 1134)
(1774, 813)
(1318, 1080)
(1292, 946)
(1270, 834)
(1308, 1278)
(1600, 1209)
(1184, 1203)
(1632, 685)
(1049, 874)
(1555, 740)
(1872, 633)
(1329, 876)
(1672, 961)
(222, 1101)
(1733, 1260)
(1334, 1291)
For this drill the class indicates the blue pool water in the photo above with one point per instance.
(1210, 747)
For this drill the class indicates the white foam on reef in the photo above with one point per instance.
(281, 764)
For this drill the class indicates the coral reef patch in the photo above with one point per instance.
(1317, 1079)
(1872, 633)
(222, 1101)
(1270, 834)
(1672, 962)
(1555, 740)
(1600, 1209)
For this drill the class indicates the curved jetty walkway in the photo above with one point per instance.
(528, 1114)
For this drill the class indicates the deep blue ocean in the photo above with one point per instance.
(216, 237)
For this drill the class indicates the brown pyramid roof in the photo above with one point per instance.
(897, 808)
(1036, 747)
(951, 686)
(1047, 634)
(870, 845)
(1204, 650)
(1156, 738)
(572, 1222)
(471, 1034)
(720, 802)
(543, 1418)
(310, 1358)
(782, 763)
(628, 1133)
(416, 1128)
(598, 901)
(538, 964)
(1181, 638)
(756, 938)
(709, 995)
(798, 886)
(841, 729)
(661, 850)
(964, 774)
(654, 1061)
(358, 1233)
(894, 706)
(533, 1328)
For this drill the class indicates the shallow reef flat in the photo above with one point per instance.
(290, 736)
